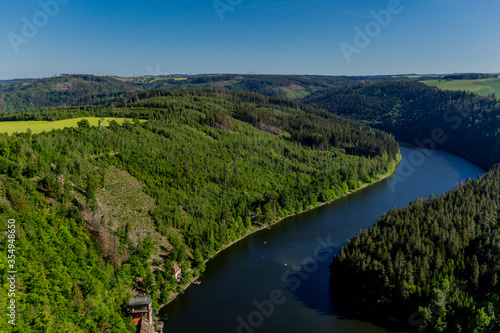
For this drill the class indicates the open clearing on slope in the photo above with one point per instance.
(11, 127)
(481, 87)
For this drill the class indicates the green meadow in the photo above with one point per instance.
(11, 127)
(482, 87)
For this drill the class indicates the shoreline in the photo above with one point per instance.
(368, 311)
(253, 231)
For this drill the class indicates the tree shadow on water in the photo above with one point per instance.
(310, 284)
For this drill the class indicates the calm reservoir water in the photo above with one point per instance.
(247, 288)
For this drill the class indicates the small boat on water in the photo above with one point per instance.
(197, 283)
(285, 265)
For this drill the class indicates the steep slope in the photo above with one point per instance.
(121, 218)
(435, 263)
(462, 122)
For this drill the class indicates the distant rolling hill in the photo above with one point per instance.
(77, 90)
(65, 90)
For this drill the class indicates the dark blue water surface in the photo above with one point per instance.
(247, 288)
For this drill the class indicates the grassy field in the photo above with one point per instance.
(481, 87)
(11, 127)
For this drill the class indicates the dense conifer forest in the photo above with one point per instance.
(217, 166)
(435, 264)
(462, 122)
(214, 165)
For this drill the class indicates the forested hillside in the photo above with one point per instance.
(435, 264)
(464, 123)
(77, 90)
(210, 166)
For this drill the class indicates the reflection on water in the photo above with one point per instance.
(277, 280)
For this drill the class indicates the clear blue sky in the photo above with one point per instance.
(110, 37)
